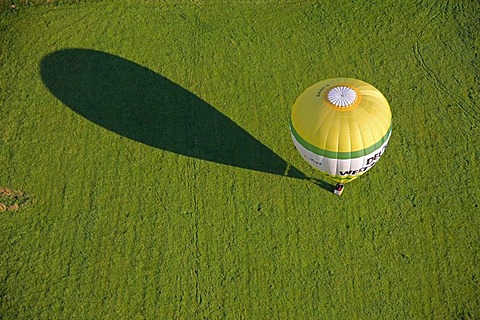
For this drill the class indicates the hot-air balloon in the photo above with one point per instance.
(341, 127)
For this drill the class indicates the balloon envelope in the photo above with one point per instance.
(341, 127)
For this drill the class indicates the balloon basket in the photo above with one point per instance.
(338, 189)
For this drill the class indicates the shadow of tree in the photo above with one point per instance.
(137, 103)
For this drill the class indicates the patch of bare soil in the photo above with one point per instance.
(13, 200)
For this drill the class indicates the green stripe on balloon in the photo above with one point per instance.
(339, 155)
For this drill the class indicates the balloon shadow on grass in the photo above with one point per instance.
(137, 103)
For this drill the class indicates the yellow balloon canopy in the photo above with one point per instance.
(341, 126)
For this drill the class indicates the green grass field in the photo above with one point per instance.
(150, 140)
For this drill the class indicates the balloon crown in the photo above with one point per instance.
(342, 96)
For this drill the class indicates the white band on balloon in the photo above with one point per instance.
(342, 96)
(342, 170)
